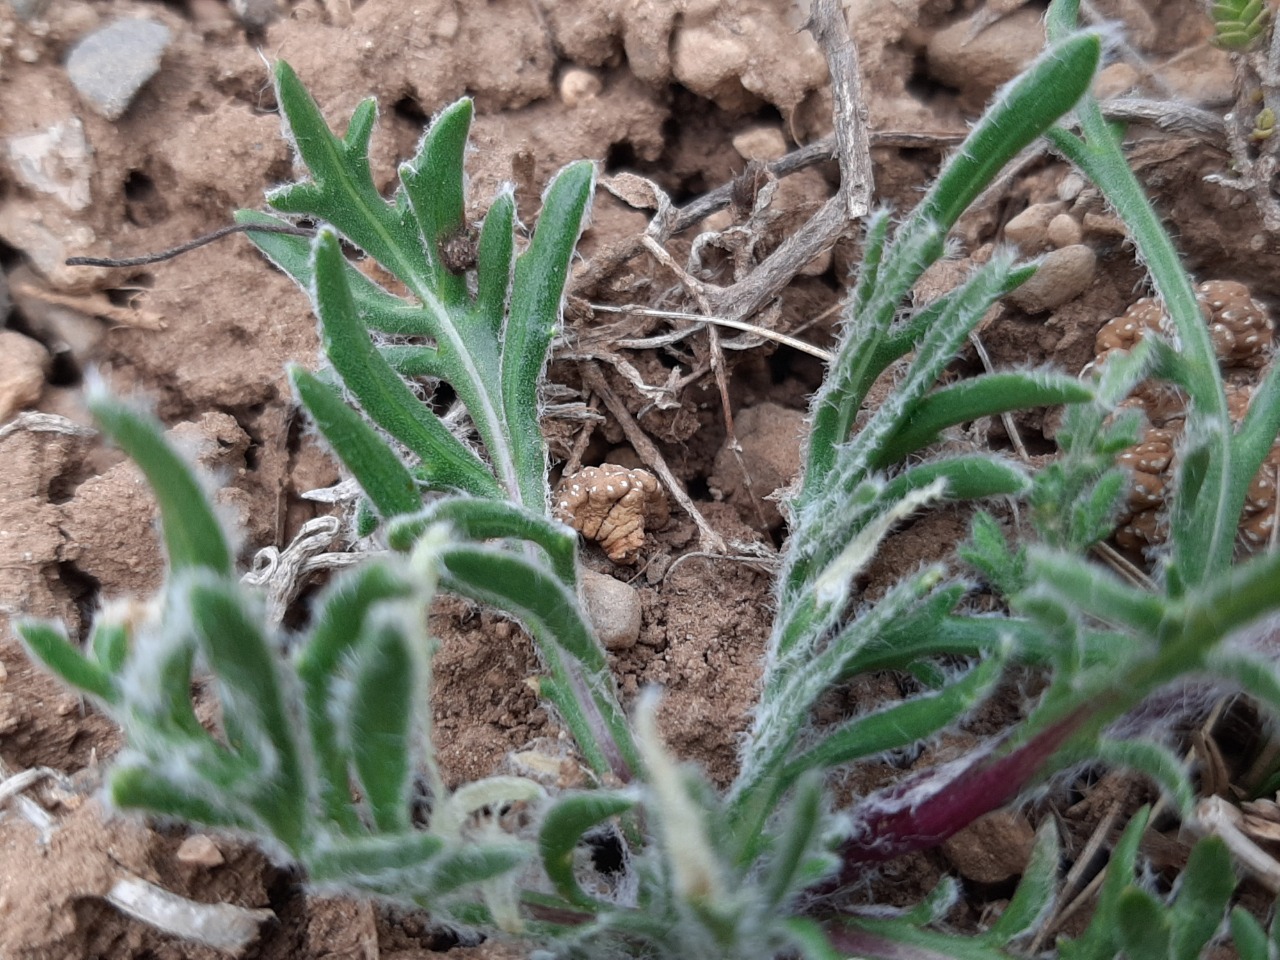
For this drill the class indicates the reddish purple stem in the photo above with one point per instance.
(926, 809)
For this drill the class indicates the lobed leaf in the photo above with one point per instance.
(380, 724)
(796, 842)
(537, 290)
(1083, 587)
(1153, 760)
(1145, 927)
(1035, 894)
(897, 726)
(255, 713)
(433, 184)
(377, 308)
(50, 645)
(1254, 675)
(445, 462)
(1100, 940)
(1204, 890)
(110, 641)
(478, 519)
(140, 785)
(581, 687)
(1022, 111)
(494, 262)
(374, 861)
(1250, 939)
(970, 477)
(984, 396)
(342, 191)
(473, 863)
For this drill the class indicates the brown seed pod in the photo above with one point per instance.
(1239, 325)
(1243, 334)
(612, 505)
(1126, 330)
(1145, 528)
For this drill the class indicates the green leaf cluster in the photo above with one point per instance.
(487, 339)
(1238, 24)
(323, 747)
(319, 754)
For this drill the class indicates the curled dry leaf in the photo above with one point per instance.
(612, 505)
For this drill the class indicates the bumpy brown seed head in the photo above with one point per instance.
(1152, 454)
(1256, 531)
(1126, 330)
(1161, 403)
(1238, 397)
(1239, 325)
(1262, 490)
(1243, 335)
(1146, 528)
(1146, 490)
(1151, 463)
(612, 505)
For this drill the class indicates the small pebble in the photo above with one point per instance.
(978, 63)
(1064, 231)
(1062, 276)
(709, 62)
(613, 608)
(22, 372)
(1104, 224)
(110, 66)
(255, 14)
(199, 850)
(56, 160)
(1030, 229)
(1114, 80)
(760, 143)
(578, 85)
(1070, 187)
(993, 848)
(770, 444)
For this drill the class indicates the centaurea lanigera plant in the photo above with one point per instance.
(319, 749)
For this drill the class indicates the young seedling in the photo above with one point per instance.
(324, 755)
(488, 341)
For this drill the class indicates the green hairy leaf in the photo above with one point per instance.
(193, 537)
(383, 477)
(562, 831)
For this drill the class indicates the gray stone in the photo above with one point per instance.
(255, 14)
(28, 9)
(109, 66)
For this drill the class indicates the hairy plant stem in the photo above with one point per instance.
(1209, 527)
